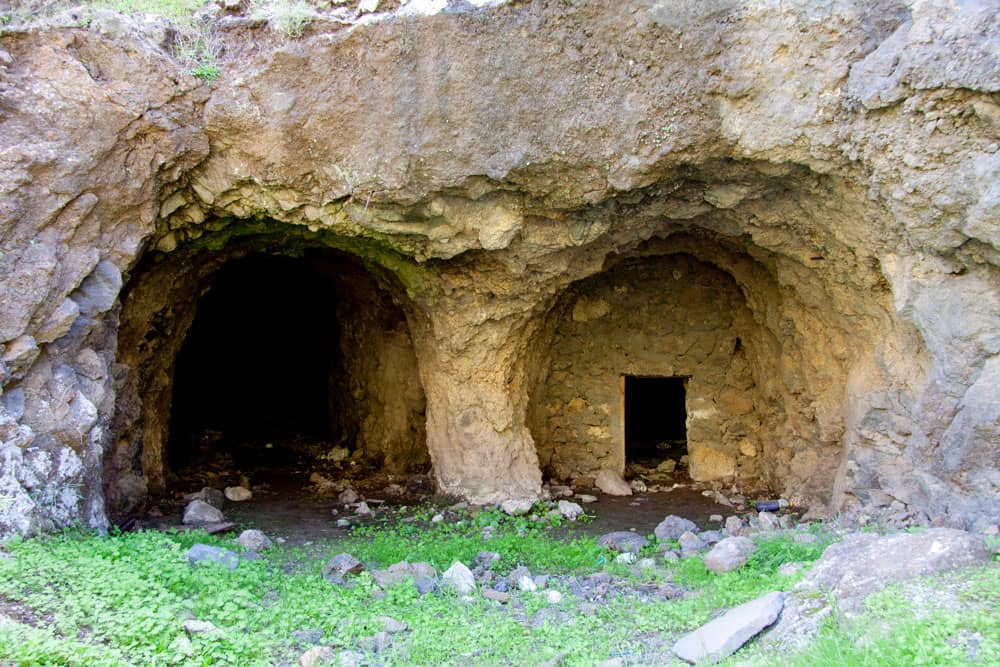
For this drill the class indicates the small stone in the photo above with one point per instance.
(343, 523)
(626, 557)
(193, 627)
(638, 486)
(671, 556)
(516, 507)
(768, 521)
(486, 559)
(553, 596)
(237, 494)
(710, 536)
(204, 553)
(558, 491)
(527, 583)
(569, 510)
(392, 626)
(734, 525)
(341, 565)
(612, 484)
(424, 584)
(586, 498)
(647, 564)
(312, 636)
(672, 527)
(316, 656)
(723, 636)
(729, 554)
(213, 497)
(437, 518)
(363, 509)
(253, 540)
(623, 540)
(715, 518)
(690, 544)
(367, 6)
(348, 496)
(497, 596)
(199, 512)
(459, 578)
(182, 646)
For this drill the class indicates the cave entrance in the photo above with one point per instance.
(253, 373)
(294, 366)
(655, 418)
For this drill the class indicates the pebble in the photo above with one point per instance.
(553, 597)
(237, 494)
(586, 498)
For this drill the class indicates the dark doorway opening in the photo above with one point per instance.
(256, 364)
(655, 418)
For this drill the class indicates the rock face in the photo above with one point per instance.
(862, 564)
(793, 207)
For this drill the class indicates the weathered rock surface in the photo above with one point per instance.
(862, 564)
(792, 205)
(724, 636)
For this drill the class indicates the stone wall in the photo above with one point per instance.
(671, 316)
(838, 159)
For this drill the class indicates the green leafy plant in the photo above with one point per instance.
(205, 72)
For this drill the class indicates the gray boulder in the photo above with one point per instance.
(723, 636)
(204, 553)
(254, 540)
(862, 564)
(459, 578)
(199, 512)
(729, 554)
(623, 540)
(672, 527)
(690, 544)
(341, 565)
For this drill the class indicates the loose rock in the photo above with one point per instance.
(623, 540)
(612, 484)
(199, 512)
(238, 494)
(459, 578)
(516, 507)
(194, 627)
(316, 656)
(254, 540)
(723, 636)
(204, 553)
(569, 510)
(341, 565)
(729, 554)
(672, 527)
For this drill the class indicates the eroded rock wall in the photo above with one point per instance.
(837, 159)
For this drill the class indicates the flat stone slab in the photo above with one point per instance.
(723, 636)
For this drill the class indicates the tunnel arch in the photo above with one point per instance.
(264, 350)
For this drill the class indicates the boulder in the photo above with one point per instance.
(569, 510)
(341, 565)
(729, 554)
(612, 483)
(459, 578)
(623, 540)
(690, 544)
(672, 527)
(861, 564)
(237, 494)
(517, 507)
(723, 636)
(204, 553)
(199, 512)
(254, 540)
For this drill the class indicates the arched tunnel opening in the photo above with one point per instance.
(282, 368)
(655, 415)
(255, 373)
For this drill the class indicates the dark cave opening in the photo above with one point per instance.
(655, 418)
(255, 369)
